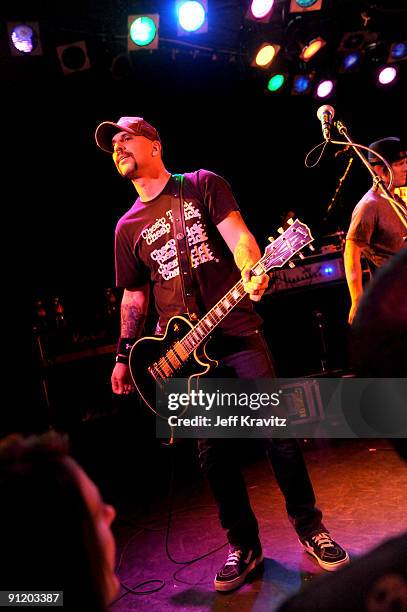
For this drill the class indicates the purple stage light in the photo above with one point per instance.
(387, 75)
(325, 88)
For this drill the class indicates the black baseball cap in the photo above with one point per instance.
(390, 148)
(133, 125)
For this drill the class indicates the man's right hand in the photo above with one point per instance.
(122, 383)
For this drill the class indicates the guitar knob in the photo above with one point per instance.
(280, 230)
(301, 255)
(291, 264)
(311, 248)
(270, 239)
(290, 221)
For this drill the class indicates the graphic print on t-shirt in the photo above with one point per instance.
(166, 256)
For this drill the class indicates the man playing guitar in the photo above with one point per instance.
(222, 250)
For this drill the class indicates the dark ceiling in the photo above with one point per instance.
(103, 25)
(211, 108)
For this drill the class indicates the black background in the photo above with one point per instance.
(65, 196)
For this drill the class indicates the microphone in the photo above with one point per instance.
(326, 114)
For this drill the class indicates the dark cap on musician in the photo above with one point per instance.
(133, 125)
(390, 148)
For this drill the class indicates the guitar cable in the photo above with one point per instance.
(135, 590)
(169, 520)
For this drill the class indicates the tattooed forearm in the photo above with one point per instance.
(242, 255)
(246, 252)
(133, 312)
(133, 319)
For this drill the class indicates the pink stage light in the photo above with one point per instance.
(387, 75)
(325, 88)
(261, 8)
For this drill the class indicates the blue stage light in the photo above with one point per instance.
(192, 16)
(398, 52)
(24, 38)
(351, 62)
(302, 84)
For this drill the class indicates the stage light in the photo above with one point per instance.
(387, 75)
(142, 31)
(300, 6)
(325, 88)
(121, 67)
(276, 82)
(351, 62)
(73, 57)
(352, 41)
(265, 55)
(398, 52)
(24, 38)
(312, 48)
(302, 84)
(192, 17)
(260, 10)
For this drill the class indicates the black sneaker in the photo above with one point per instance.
(328, 553)
(240, 562)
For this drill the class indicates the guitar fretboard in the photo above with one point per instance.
(277, 254)
(217, 313)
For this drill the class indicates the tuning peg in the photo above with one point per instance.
(311, 248)
(291, 264)
(290, 221)
(280, 230)
(270, 239)
(301, 255)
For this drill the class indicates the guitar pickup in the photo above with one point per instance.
(155, 373)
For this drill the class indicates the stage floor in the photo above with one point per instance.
(362, 494)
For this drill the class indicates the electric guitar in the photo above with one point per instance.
(153, 360)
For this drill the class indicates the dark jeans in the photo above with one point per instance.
(218, 459)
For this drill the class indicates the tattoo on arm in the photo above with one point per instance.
(132, 320)
(242, 254)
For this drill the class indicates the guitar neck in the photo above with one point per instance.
(217, 313)
(277, 254)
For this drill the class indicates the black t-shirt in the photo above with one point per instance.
(145, 250)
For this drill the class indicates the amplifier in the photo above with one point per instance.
(310, 272)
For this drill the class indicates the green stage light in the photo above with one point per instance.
(143, 32)
(276, 82)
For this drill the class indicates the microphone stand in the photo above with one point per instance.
(337, 190)
(377, 181)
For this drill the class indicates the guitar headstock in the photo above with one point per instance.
(291, 241)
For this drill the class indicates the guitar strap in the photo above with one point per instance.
(184, 256)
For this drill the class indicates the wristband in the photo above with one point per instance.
(122, 359)
(124, 346)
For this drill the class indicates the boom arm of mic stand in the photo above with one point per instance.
(376, 179)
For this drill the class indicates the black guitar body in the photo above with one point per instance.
(149, 368)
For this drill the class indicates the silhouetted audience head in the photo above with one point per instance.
(379, 331)
(54, 527)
